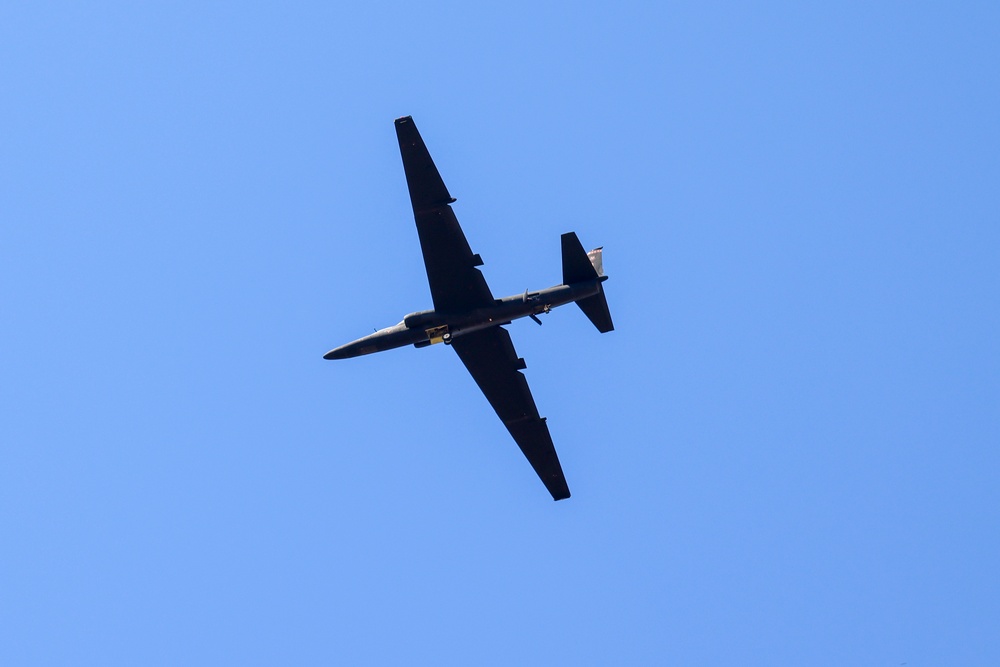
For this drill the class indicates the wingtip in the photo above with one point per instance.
(403, 119)
(559, 489)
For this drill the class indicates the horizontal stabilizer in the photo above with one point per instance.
(596, 309)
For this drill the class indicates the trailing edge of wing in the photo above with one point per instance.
(490, 357)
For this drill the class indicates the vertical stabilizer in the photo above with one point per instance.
(576, 264)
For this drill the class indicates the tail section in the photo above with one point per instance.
(581, 266)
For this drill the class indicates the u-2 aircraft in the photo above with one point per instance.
(468, 318)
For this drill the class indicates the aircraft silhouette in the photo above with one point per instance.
(467, 317)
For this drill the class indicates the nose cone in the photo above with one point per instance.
(342, 352)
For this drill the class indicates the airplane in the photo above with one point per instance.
(470, 320)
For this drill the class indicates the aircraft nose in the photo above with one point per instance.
(338, 353)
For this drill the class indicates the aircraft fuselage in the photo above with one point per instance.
(430, 326)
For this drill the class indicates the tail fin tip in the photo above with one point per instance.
(596, 258)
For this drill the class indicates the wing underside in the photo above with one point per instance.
(455, 282)
(490, 357)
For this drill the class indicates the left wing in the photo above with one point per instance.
(490, 357)
(456, 284)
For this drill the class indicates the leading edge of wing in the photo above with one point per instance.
(489, 356)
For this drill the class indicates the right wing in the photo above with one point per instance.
(490, 357)
(455, 282)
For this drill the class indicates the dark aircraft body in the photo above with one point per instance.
(467, 317)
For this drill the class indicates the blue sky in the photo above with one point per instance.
(785, 454)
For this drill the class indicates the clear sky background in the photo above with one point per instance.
(786, 454)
